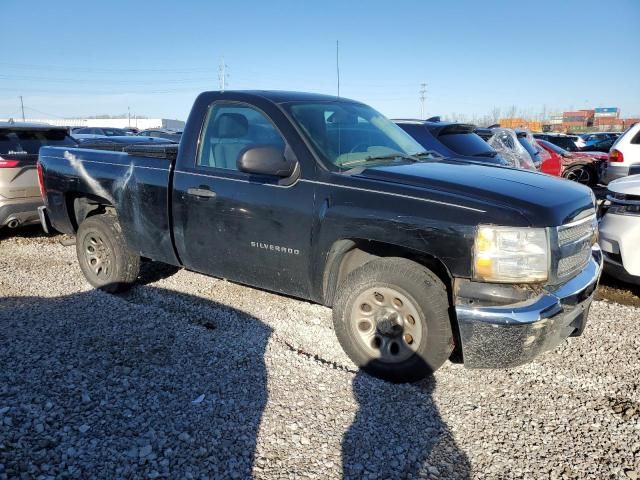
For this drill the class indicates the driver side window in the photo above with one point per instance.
(229, 130)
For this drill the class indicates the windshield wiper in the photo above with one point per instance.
(428, 153)
(485, 154)
(388, 156)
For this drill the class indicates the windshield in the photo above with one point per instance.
(346, 134)
(468, 144)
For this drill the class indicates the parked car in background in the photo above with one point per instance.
(602, 146)
(529, 143)
(620, 229)
(624, 153)
(598, 137)
(453, 140)
(161, 133)
(505, 141)
(325, 199)
(568, 142)
(580, 167)
(19, 146)
(551, 161)
(93, 132)
(131, 130)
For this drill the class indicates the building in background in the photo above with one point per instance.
(139, 123)
(578, 121)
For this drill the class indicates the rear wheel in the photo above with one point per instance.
(103, 256)
(391, 317)
(581, 174)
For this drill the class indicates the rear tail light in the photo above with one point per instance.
(616, 156)
(6, 163)
(41, 180)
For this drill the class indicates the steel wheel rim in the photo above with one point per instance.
(580, 175)
(386, 324)
(97, 256)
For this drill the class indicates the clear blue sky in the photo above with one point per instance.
(70, 57)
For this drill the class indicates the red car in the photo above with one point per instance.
(581, 167)
(551, 161)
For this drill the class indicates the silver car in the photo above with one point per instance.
(19, 191)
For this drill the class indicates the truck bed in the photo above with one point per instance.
(126, 180)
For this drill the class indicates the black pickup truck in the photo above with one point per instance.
(422, 258)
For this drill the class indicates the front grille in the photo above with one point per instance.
(575, 240)
(569, 266)
(571, 233)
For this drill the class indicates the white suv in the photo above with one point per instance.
(620, 230)
(623, 154)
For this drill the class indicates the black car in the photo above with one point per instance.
(161, 133)
(566, 142)
(100, 131)
(456, 140)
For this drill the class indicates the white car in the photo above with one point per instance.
(620, 230)
(624, 153)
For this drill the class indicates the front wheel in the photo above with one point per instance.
(391, 317)
(103, 256)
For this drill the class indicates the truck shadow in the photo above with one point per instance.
(378, 445)
(156, 383)
(151, 383)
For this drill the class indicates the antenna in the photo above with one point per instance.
(423, 97)
(223, 75)
(338, 64)
(22, 106)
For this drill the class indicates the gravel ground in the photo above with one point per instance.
(192, 377)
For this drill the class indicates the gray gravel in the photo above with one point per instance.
(192, 377)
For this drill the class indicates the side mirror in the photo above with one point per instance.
(265, 160)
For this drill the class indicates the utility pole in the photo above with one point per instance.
(129, 116)
(423, 97)
(223, 76)
(22, 106)
(338, 64)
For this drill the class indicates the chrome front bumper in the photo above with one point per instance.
(511, 335)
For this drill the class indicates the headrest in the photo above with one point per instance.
(231, 125)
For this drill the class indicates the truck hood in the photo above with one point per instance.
(626, 185)
(545, 201)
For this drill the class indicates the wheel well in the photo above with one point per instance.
(347, 255)
(81, 208)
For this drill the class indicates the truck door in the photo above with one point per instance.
(234, 225)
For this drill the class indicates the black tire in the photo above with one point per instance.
(100, 243)
(582, 174)
(429, 299)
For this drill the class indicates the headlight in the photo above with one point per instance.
(511, 255)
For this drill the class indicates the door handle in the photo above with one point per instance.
(201, 192)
